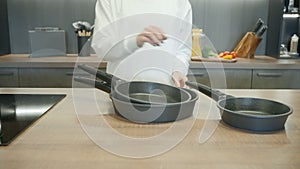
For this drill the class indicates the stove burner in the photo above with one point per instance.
(19, 111)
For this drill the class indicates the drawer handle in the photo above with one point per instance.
(269, 74)
(4, 73)
(76, 74)
(197, 74)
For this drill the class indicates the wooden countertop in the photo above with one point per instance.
(259, 62)
(57, 140)
(68, 61)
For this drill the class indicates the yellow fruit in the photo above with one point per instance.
(228, 57)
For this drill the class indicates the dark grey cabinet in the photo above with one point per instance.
(49, 77)
(4, 33)
(247, 78)
(215, 78)
(9, 77)
(222, 78)
(276, 79)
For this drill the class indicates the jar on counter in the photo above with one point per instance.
(196, 49)
(283, 51)
(294, 44)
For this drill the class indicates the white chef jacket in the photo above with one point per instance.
(117, 24)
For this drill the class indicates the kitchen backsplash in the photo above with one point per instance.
(223, 21)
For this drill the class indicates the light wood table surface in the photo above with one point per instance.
(58, 141)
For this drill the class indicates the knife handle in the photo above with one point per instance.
(258, 25)
(262, 31)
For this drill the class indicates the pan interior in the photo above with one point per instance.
(254, 107)
(252, 112)
(150, 92)
(154, 98)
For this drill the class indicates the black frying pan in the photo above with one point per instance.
(146, 113)
(138, 91)
(142, 112)
(7, 108)
(252, 114)
(155, 113)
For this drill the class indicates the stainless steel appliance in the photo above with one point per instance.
(19, 111)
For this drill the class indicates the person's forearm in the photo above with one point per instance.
(111, 48)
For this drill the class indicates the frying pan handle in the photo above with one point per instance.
(100, 74)
(7, 110)
(99, 85)
(214, 94)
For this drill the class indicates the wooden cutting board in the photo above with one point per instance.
(201, 59)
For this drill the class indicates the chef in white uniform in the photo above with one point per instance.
(146, 40)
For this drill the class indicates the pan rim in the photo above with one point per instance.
(117, 86)
(269, 116)
(160, 105)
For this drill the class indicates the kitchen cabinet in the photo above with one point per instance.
(276, 79)
(222, 78)
(215, 78)
(49, 77)
(259, 73)
(9, 77)
(4, 33)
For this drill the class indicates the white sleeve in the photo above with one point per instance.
(107, 41)
(183, 54)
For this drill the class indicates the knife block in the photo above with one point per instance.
(247, 46)
(84, 45)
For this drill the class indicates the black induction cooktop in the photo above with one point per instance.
(19, 111)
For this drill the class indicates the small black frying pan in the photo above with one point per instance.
(252, 114)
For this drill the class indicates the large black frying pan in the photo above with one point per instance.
(155, 113)
(138, 91)
(143, 112)
(7, 110)
(252, 114)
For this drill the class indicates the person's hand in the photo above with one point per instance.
(151, 34)
(179, 79)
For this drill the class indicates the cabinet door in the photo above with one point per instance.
(276, 79)
(49, 77)
(222, 78)
(4, 33)
(9, 77)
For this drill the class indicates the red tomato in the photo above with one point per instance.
(226, 53)
(233, 54)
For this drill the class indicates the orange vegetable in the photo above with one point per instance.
(221, 54)
(228, 55)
